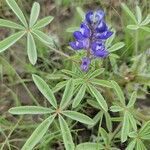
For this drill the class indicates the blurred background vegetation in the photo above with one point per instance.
(15, 71)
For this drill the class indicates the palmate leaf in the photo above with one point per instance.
(9, 41)
(68, 93)
(34, 14)
(78, 117)
(45, 90)
(43, 22)
(15, 8)
(79, 96)
(10, 24)
(38, 133)
(21, 110)
(67, 138)
(90, 146)
(31, 49)
(101, 101)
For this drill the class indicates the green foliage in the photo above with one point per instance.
(43, 127)
(139, 24)
(108, 92)
(29, 29)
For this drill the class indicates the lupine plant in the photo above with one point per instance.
(95, 90)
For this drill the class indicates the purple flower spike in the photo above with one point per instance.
(85, 64)
(91, 37)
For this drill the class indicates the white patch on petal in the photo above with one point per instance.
(82, 30)
(77, 43)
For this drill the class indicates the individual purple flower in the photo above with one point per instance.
(91, 37)
(85, 64)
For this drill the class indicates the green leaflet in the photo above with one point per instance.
(90, 146)
(68, 93)
(79, 96)
(9, 41)
(45, 90)
(146, 20)
(29, 110)
(31, 49)
(15, 8)
(78, 117)
(116, 47)
(10, 24)
(98, 97)
(67, 138)
(34, 13)
(43, 37)
(38, 133)
(43, 22)
(118, 91)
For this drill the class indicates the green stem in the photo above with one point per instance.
(116, 131)
(136, 42)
